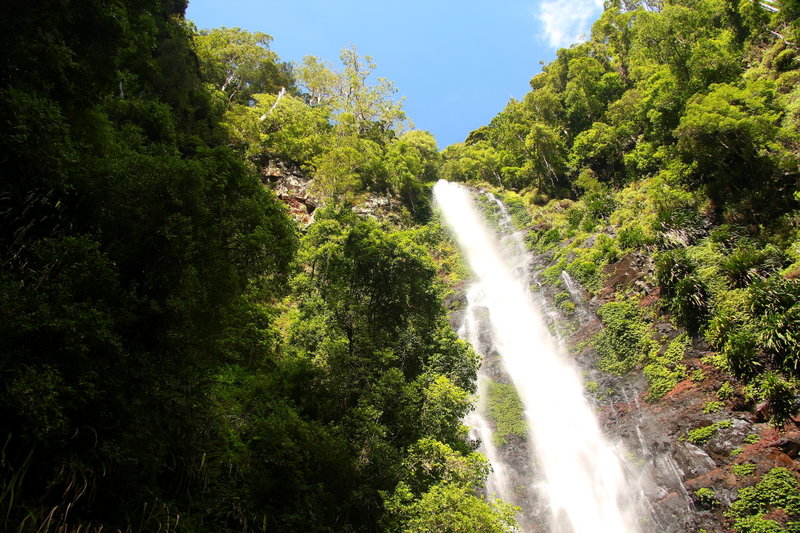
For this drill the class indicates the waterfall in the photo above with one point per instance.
(498, 484)
(582, 473)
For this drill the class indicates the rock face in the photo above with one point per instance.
(669, 467)
(632, 271)
(694, 437)
(294, 188)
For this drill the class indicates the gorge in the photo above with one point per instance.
(229, 302)
(580, 474)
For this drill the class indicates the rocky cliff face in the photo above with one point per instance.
(692, 446)
(674, 459)
(296, 189)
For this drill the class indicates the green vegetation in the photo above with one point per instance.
(175, 354)
(664, 371)
(776, 490)
(725, 391)
(338, 127)
(713, 407)
(743, 469)
(505, 409)
(681, 156)
(449, 505)
(706, 497)
(175, 350)
(752, 438)
(702, 435)
(563, 302)
(625, 341)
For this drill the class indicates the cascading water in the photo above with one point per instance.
(498, 485)
(582, 473)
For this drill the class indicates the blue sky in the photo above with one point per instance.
(456, 63)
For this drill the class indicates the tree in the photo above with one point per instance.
(437, 494)
(732, 139)
(411, 161)
(546, 155)
(349, 92)
(131, 239)
(347, 167)
(280, 127)
(240, 64)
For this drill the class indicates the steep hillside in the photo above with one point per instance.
(225, 292)
(176, 354)
(655, 171)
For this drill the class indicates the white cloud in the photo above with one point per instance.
(567, 21)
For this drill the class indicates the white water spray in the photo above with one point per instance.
(583, 474)
(498, 484)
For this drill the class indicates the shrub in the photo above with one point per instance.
(702, 435)
(505, 408)
(516, 209)
(747, 264)
(713, 407)
(743, 469)
(665, 370)
(679, 227)
(731, 311)
(689, 305)
(784, 60)
(725, 391)
(741, 352)
(752, 438)
(684, 294)
(625, 341)
(780, 393)
(575, 216)
(705, 497)
(599, 204)
(587, 272)
(633, 237)
(727, 235)
(552, 274)
(778, 489)
(671, 267)
(560, 298)
(548, 239)
(774, 295)
(775, 302)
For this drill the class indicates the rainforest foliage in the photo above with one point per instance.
(175, 354)
(671, 137)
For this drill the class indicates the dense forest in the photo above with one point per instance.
(175, 354)
(673, 133)
(178, 353)
(658, 165)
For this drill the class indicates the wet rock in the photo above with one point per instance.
(628, 271)
(692, 459)
(456, 317)
(672, 514)
(790, 446)
(778, 458)
(727, 439)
